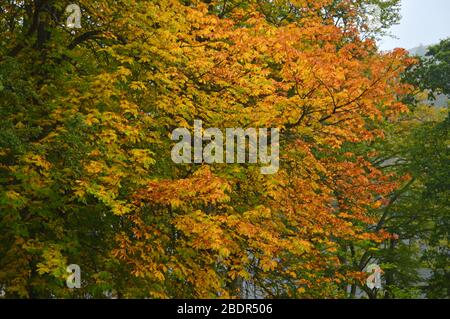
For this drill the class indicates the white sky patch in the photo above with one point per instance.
(424, 22)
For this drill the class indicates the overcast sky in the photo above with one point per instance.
(423, 22)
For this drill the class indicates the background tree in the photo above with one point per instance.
(417, 145)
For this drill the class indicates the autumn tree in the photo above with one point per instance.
(86, 173)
